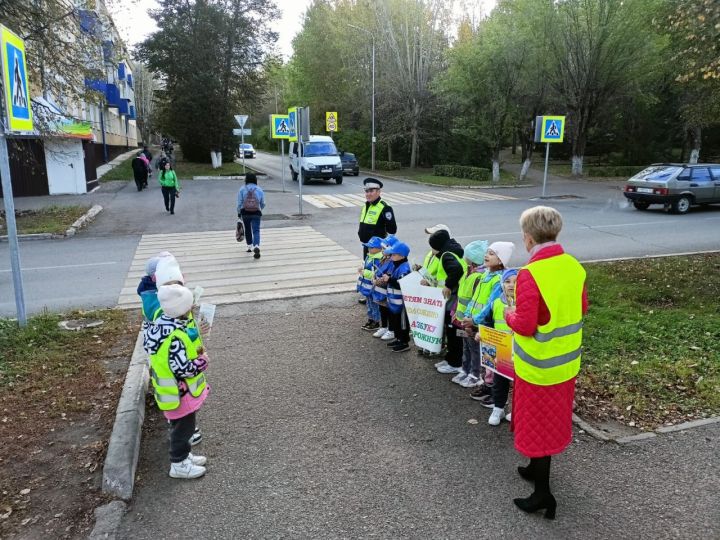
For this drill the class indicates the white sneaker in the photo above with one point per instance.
(470, 381)
(388, 336)
(197, 460)
(448, 369)
(496, 416)
(458, 379)
(508, 417)
(441, 363)
(186, 469)
(380, 332)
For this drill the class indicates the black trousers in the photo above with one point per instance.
(384, 317)
(400, 325)
(169, 197)
(180, 432)
(454, 353)
(500, 390)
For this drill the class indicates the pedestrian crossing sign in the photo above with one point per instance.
(15, 83)
(553, 129)
(280, 126)
(292, 124)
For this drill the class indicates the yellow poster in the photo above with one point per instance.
(496, 351)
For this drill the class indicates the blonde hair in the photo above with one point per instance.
(542, 223)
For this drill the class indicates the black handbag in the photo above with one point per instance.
(240, 231)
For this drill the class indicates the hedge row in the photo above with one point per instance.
(388, 165)
(463, 171)
(613, 170)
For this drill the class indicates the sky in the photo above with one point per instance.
(134, 24)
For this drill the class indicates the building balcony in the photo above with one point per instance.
(121, 71)
(124, 107)
(132, 115)
(112, 95)
(90, 22)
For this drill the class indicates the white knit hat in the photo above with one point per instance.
(438, 227)
(503, 250)
(175, 300)
(168, 270)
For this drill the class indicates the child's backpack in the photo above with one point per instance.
(251, 202)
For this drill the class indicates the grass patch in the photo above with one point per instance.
(426, 176)
(651, 336)
(53, 219)
(120, 172)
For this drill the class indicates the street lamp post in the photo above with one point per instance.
(372, 151)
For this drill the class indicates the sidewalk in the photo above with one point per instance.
(314, 431)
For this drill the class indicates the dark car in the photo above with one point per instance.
(349, 163)
(677, 186)
(248, 150)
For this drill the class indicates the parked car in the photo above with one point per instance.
(248, 150)
(349, 163)
(677, 186)
(316, 158)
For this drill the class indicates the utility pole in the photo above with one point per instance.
(373, 138)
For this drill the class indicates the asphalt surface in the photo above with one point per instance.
(599, 224)
(314, 430)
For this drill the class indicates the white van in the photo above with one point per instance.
(317, 158)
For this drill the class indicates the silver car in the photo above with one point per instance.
(677, 186)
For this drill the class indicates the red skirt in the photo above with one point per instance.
(542, 417)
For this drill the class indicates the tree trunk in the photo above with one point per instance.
(695, 137)
(526, 144)
(578, 153)
(496, 165)
(413, 146)
(389, 151)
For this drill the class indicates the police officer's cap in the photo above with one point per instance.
(372, 183)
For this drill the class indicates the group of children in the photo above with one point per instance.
(178, 361)
(484, 290)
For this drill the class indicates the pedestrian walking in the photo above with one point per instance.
(550, 301)
(376, 217)
(170, 187)
(140, 171)
(250, 204)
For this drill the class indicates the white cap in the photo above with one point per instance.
(436, 228)
(168, 270)
(175, 300)
(503, 250)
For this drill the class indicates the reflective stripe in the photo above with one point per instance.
(161, 381)
(193, 386)
(558, 332)
(366, 285)
(555, 361)
(166, 398)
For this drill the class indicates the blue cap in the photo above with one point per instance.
(375, 242)
(400, 248)
(390, 240)
(510, 272)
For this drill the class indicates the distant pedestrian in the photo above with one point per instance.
(250, 203)
(161, 161)
(170, 187)
(550, 301)
(140, 171)
(148, 155)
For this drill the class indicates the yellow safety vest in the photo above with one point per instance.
(371, 214)
(431, 263)
(165, 385)
(498, 311)
(481, 296)
(442, 274)
(465, 292)
(552, 355)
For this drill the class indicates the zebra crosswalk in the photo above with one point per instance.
(219, 264)
(342, 200)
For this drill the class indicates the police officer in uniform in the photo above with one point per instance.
(377, 217)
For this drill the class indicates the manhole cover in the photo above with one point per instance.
(79, 324)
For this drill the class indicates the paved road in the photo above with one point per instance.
(313, 430)
(80, 271)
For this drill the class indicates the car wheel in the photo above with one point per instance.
(304, 176)
(293, 175)
(641, 205)
(338, 179)
(681, 206)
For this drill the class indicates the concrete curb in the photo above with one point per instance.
(646, 435)
(124, 447)
(81, 222)
(408, 181)
(107, 520)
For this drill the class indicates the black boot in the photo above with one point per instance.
(528, 472)
(541, 499)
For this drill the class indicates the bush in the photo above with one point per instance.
(463, 171)
(617, 170)
(388, 165)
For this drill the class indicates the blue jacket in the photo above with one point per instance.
(146, 284)
(400, 269)
(259, 193)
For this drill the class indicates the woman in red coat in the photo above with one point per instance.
(551, 299)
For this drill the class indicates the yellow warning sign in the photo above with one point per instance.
(331, 121)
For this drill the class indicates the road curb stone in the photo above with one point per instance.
(124, 447)
(81, 222)
(107, 520)
(647, 435)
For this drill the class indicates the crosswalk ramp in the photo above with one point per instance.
(290, 265)
(396, 198)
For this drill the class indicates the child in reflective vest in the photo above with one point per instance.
(399, 324)
(379, 293)
(365, 282)
(495, 318)
(177, 375)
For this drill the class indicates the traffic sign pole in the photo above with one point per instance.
(12, 229)
(282, 163)
(242, 147)
(547, 157)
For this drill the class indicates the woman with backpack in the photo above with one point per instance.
(250, 203)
